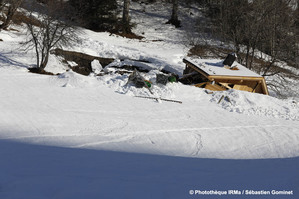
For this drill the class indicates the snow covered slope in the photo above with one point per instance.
(57, 133)
(77, 111)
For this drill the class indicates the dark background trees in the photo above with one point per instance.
(8, 9)
(102, 15)
(256, 26)
(98, 15)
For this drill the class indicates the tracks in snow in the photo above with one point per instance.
(189, 140)
(112, 131)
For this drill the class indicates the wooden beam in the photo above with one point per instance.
(225, 85)
(264, 86)
(214, 87)
(217, 77)
(200, 84)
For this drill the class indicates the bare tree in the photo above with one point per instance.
(13, 6)
(52, 31)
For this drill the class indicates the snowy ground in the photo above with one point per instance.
(70, 136)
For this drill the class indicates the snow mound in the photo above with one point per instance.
(96, 66)
(73, 79)
(256, 104)
(105, 49)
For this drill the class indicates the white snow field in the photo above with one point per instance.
(71, 136)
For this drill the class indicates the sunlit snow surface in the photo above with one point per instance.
(74, 136)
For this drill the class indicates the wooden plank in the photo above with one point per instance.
(200, 84)
(214, 87)
(243, 88)
(249, 81)
(223, 77)
(226, 85)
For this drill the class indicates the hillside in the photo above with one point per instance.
(69, 135)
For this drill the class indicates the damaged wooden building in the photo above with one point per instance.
(215, 76)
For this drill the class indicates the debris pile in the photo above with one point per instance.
(134, 70)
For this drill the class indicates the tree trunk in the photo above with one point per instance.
(44, 62)
(37, 56)
(247, 56)
(174, 15)
(126, 17)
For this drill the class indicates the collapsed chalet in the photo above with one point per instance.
(213, 75)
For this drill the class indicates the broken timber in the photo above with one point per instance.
(214, 76)
(158, 98)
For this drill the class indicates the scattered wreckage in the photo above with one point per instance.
(138, 80)
(86, 64)
(215, 75)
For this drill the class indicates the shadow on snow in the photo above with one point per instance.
(35, 171)
(6, 60)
